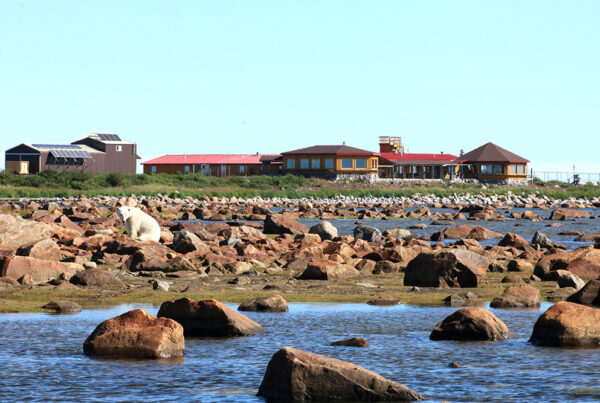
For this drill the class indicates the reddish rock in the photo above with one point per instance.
(186, 241)
(386, 266)
(327, 270)
(564, 214)
(588, 295)
(16, 231)
(45, 249)
(566, 324)
(136, 334)
(518, 296)
(448, 268)
(283, 224)
(466, 231)
(208, 318)
(63, 306)
(96, 278)
(515, 241)
(40, 271)
(520, 265)
(512, 278)
(294, 375)
(273, 303)
(470, 324)
(353, 342)
(157, 257)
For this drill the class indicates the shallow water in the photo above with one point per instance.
(42, 360)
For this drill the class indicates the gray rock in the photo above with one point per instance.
(325, 230)
(369, 234)
(160, 285)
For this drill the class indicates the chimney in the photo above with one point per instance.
(343, 142)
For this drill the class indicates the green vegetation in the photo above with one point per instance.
(74, 183)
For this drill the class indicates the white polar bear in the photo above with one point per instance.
(139, 225)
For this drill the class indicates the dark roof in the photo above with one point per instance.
(271, 158)
(490, 152)
(333, 150)
(418, 159)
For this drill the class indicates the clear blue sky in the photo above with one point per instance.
(271, 76)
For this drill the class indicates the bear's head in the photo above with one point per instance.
(124, 212)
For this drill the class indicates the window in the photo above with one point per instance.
(242, 169)
(329, 163)
(153, 169)
(291, 164)
(315, 163)
(304, 163)
(374, 163)
(489, 169)
(346, 163)
(518, 169)
(118, 148)
(361, 163)
(186, 169)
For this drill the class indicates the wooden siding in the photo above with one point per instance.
(372, 164)
(218, 170)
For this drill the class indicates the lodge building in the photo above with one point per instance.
(492, 163)
(219, 165)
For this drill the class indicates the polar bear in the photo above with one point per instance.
(139, 225)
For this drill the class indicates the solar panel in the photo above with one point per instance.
(69, 146)
(70, 154)
(109, 137)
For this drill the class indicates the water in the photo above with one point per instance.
(41, 357)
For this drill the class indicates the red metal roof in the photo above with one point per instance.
(232, 159)
(415, 157)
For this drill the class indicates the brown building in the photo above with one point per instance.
(220, 165)
(330, 161)
(492, 163)
(96, 153)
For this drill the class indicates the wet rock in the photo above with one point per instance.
(367, 233)
(63, 306)
(470, 324)
(384, 300)
(325, 230)
(327, 270)
(273, 303)
(283, 224)
(588, 238)
(96, 278)
(40, 271)
(294, 375)
(454, 365)
(448, 268)
(565, 214)
(588, 295)
(136, 334)
(208, 318)
(566, 324)
(353, 342)
(519, 296)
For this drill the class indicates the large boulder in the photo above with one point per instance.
(465, 232)
(156, 257)
(327, 270)
(541, 239)
(45, 249)
(515, 241)
(588, 295)
(518, 296)
(208, 318)
(565, 214)
(283, 224)
(566, 324)
(396, 232)
(294, 375)
(186, 241)
(41, 271)
(96, 278)
(62, 307)
(272, 303)
(136, 334)
(368, 233)
(325, 230)
(16, 231)
(470, 324)
(449, 268)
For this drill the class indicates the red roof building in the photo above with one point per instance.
(215, 164)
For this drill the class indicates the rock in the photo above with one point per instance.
(40, 271)
(448, 268)
(325, 230)
(96, 278)
(465, 231)
(564, 278)
(460, 300)
(512, 278)
(63, 306)
(353, 342)
(518, 296)
(273, 303)
(564, 214)
(384, 301)
(160, 285)
(520, 265)
(588, 238)
(283, 224)
(470, 324)
(208, 318)
(566, 324)
(156, 257)
(369, 234)
(588, 295)
(386, 266)
(541, 239)
(46, 249)
(561, 294)
(136, 334)
(26, 280)
(294, 375)
(396, 233)
(16, 232)
(515, 241)
(454, 365)
(186, 241)
(327, 270)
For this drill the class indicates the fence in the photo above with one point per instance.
(567, 177)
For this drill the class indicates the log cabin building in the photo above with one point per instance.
(219, 165)
(331, 162)
(492, 163)
(94, 153)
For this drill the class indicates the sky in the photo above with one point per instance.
(245, 76)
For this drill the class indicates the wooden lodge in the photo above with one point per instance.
(492, 163)
(330, 161)
(220, 165)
